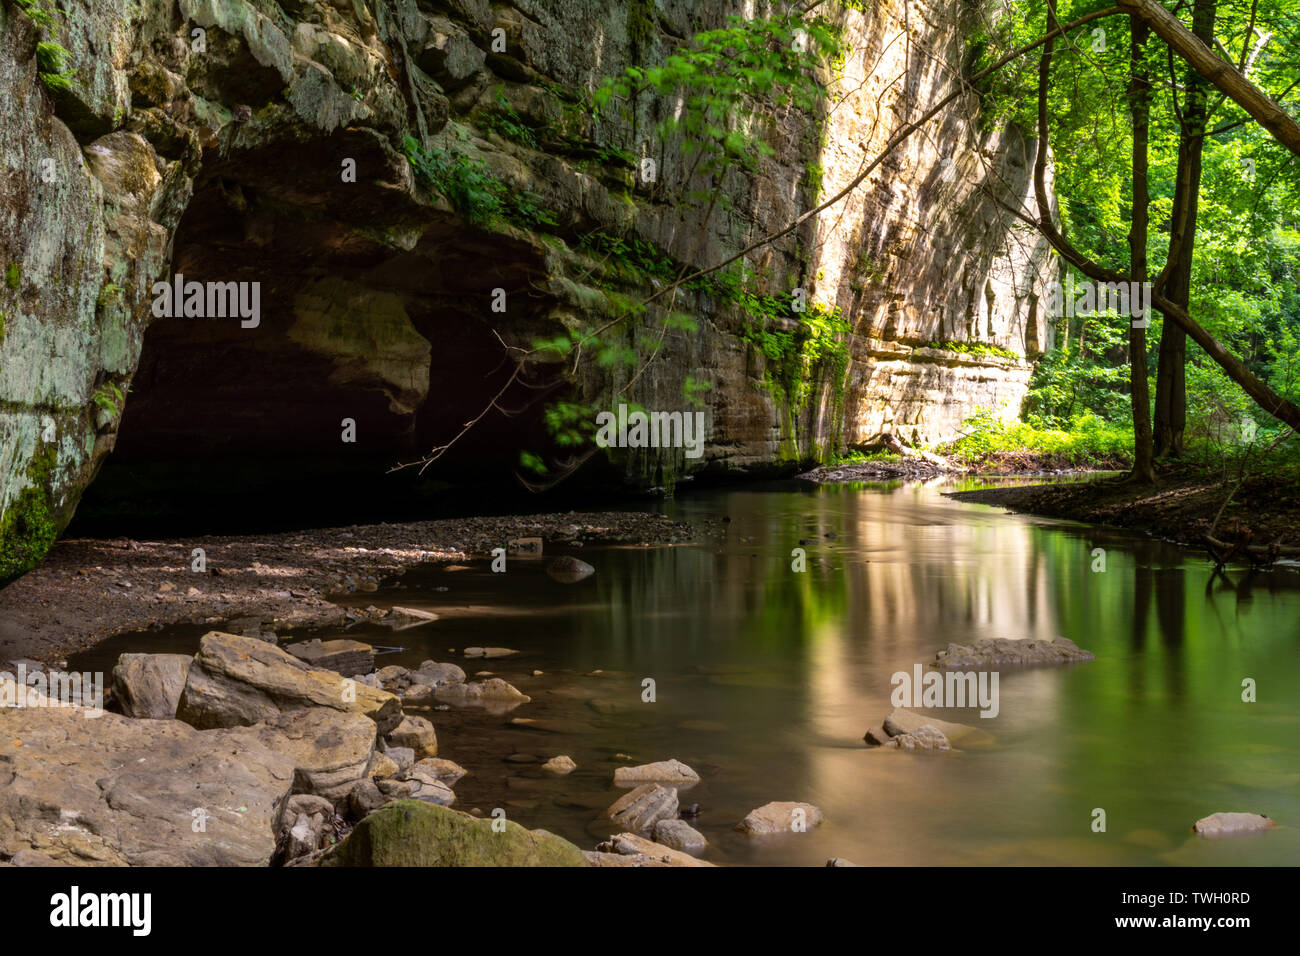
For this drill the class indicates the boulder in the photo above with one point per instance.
(150, 685)
(1003, 652)
(569, 570)
(435, 674)
(394, 678)
(139, 790)
(679, 835)
(415, 733)
(415, 833)
(780, 817)
(239, 681)
(425, 785)
(642, 808)
(672, 772)
(1231, 824)
(331, 751)
(494, 694)
(345, 657)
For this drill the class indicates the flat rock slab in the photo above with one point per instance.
(647, 852)
(781, 817)
(116, 791)
(642, 808)
(237, 681)
(672, 772)
(904, 721)
(150, 685)
(342, 656)
(1232, 824)
(1004, 652)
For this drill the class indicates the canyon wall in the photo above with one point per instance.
(249, 141)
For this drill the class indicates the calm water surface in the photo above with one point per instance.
(766, 680)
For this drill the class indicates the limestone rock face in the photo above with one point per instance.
(274, 156)
(415, 833)
(236, 681)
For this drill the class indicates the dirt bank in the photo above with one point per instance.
(87, 590)
(1261, 513)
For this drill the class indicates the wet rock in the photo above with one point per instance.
(238, 681)
(646, 852)
(415, 733)
(679, 835)
(1002, 652)
(493, 693)
(664, 771)
(394, 789)
(569, 570)
(922, 738)
(781, 817)
(904, 721)
(150, 685)
(1232, 824)
(877, 736)
(642, 808)
(560, 765)
(394, 678)
(342, 656)
(489, 652)
(414, 833)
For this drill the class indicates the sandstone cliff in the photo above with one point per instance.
(214, 138)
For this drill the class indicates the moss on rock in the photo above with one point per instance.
(415, 833)
(28, 527)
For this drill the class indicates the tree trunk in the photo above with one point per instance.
(1139, 93)
(1176, 280)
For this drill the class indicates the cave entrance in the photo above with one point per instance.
(375, 324)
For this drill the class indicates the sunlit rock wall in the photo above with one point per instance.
(212, 137)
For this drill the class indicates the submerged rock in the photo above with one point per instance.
(903, 721)
(1232, 824)
(406, 617)
(1001, 652)
(490, 652)
(150, 685)
(569, 570)
(679, 835)
(342, 656)
(781, 817)
(415, 833)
